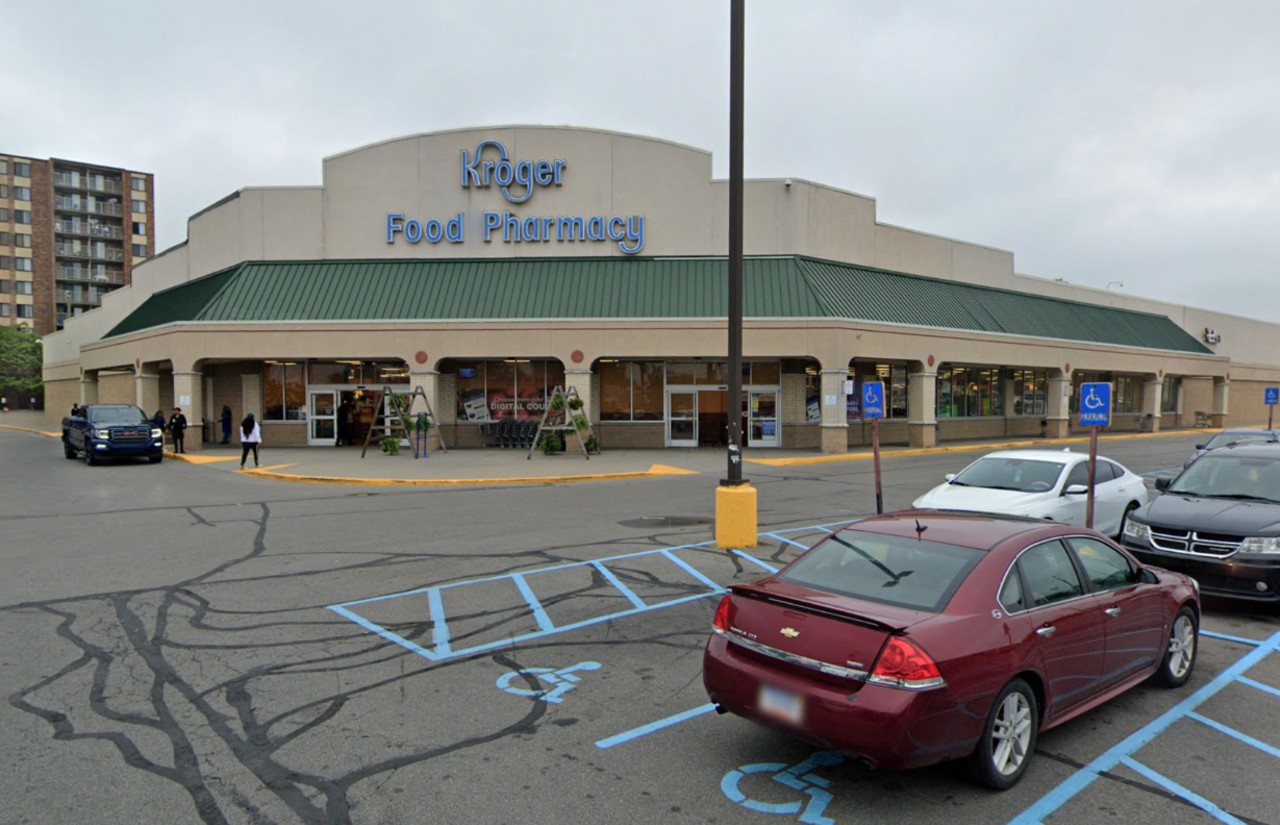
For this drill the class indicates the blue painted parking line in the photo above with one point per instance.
(1178, 790)
(443, 646)
(787, 541)
(1122, 753)
(635, 733)
(770, 568)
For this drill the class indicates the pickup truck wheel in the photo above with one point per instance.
(69, 451)
(90, 458)
(155, 459)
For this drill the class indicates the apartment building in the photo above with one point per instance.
(70, 232)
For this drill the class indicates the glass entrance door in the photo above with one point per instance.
(322, 418)
(762, 419)
(682, 419)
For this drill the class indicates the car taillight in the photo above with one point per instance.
(903, 664)
(721, 621)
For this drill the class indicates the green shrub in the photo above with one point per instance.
(551, 443)
(580, 422)
(390, 445)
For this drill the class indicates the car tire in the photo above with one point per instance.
(1124, 519)
(155, 459)
(1180, 654)
(69, 451)
(90, 458)
(1008, 738)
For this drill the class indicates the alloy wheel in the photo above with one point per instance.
(1011, 734)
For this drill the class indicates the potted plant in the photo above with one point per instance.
(557, 402)
(592, 444)
(575, 403)
(580, 422)
(390, 445)
(551, 443)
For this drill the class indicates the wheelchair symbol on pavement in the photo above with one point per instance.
(800, 777)
(561, 681)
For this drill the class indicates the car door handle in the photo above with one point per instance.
(1047, 631)
(1113, 611)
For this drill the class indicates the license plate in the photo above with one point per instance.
(781, 704)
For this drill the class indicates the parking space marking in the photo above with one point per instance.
(1235, 734)
(636, 733)
(1178, 790)
(1122, 753)
(443, 647)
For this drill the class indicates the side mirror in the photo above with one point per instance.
(1199, 446)
(1162, 484)
(1076, 490)
(1144, 576)
(949, 477)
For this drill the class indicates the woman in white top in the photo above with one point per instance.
(250, 438)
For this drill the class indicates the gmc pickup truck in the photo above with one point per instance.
(112, 431)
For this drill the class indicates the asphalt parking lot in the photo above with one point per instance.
(184, 645)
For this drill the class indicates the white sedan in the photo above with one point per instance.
(1044, 484)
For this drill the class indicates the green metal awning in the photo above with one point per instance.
(634, 288)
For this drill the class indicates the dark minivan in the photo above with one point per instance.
(1219, 522)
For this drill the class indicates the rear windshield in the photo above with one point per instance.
(895, 570)
(1023, 474)
(1223, 474)
(118, 415)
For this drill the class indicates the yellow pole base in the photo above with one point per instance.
(736, 516)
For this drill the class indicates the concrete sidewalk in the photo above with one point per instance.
(320, 465)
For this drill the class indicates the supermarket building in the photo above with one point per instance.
(488, 266)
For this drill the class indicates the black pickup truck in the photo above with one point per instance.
(112, 431)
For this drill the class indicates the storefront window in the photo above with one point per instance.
(812, 395)
(325, 372)
(631, 390)
(507, 389)
(969, 392)
(1029, 388)
(1126, 390)
(1169, 394)
(763, 373)
(284, 392)
(894, 378)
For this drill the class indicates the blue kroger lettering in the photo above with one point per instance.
(524, 175)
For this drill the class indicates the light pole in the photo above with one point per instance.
(736, 516)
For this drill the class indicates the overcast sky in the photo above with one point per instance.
(1131, 141)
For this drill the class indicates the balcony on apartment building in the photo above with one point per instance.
(90, 183)
(96, 274)
(92, 229)
(97, 251)
(74, 204)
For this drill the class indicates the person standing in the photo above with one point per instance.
(250, 439)
(344, 422)
(178, 429)
(226, 424)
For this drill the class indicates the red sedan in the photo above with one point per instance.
(919, 636)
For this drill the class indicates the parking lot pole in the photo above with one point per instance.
(1093, 467)
(875, 460)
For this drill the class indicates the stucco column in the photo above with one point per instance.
(188, 388)
(835, 415)
(1221, 408)
(89, 387)
(1056, 409)
(580, 380)
(922, 407)
(146, 388)
(1151, 402)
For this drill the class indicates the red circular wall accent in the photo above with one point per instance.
(137, 363)
(930, 360)
(1160, 374)
(576, 355)
(1067, 369)
(420, 356)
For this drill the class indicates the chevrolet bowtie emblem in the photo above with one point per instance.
(789, 632)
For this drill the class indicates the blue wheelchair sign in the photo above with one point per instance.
(1271, 396)
(1095, 404)
(873, 399)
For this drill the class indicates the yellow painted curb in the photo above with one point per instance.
(667, 470)
(195, 458)
(29, 430)
(461, 482)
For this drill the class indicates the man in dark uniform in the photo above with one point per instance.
(178, 429)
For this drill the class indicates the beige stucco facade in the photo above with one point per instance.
(684, 212)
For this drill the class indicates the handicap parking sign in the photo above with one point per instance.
(1095, 404)
(873, 399)
(1271, 396)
